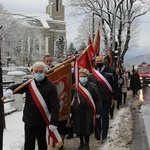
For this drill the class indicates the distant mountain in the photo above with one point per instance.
(137, 60)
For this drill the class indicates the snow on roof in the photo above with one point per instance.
(33, 19)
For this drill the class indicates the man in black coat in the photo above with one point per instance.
(135, 83)
(35, 125)
(107, 95)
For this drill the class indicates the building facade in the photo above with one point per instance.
(57, 25)
(41, 33)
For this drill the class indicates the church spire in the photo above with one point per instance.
(55, 9)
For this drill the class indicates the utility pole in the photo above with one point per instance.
(1, 102)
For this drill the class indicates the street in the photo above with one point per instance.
(140, 126)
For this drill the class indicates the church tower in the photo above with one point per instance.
(57, 25)
(55, 9)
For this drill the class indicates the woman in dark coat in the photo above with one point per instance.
(135, 83)
(82, 110)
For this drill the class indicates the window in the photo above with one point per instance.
(57, 5)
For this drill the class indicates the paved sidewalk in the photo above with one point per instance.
(73, 143)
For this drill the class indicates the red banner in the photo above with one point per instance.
(83, 60)
(91, 51)
(62, 78)
(96, 44)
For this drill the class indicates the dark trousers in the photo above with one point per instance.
(98, 124)
(119, 101)
(112, 111)
(124, 97)
(104, 119)
(32, 133)
(1, 131)
(135, 92)
(70, 131)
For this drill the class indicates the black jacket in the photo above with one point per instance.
(31, 114)
(118, 90)
(135, 83)
(110, 75)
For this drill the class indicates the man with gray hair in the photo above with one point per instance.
(41, 102)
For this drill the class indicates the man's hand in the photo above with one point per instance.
(52, 127)
(8, 93)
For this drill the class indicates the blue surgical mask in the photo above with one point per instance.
(83, 80)
(39, 77)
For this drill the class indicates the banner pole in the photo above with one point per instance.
(63, 63)
(18, 88)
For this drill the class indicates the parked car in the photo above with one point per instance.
(25, 71)
(20, 69)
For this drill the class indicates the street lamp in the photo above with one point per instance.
(114, 25)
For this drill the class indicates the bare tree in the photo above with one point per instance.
(86, 28)
(127, 16)
(15, 34)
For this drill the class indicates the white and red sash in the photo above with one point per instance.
(102, 80)
(52, 136)
(85, 93)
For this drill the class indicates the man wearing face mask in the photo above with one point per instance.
(82, 111)
(48, 62)
(104, 77)
(39, 92)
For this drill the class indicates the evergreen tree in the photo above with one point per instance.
(71, 49)
(59, 48)
(81, 47)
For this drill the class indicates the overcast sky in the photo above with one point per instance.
(40, 7)
(72, 23)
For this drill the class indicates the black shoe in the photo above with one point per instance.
(61, 148)
(104, 139)
(69, 136)
(53, 144)
(81, 147)
(86, 147)
(112, 117)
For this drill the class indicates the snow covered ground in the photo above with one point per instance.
(14, 133)
(119, 138)
(120, 131)
(119, 134)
